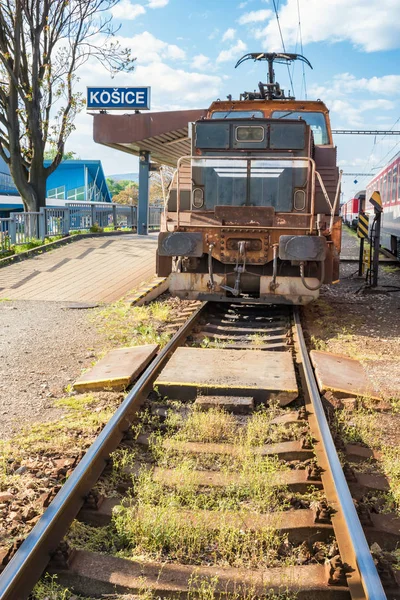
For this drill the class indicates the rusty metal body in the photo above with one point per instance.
(256, 174)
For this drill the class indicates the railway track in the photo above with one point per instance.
(226, 496)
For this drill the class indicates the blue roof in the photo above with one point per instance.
(94, 169)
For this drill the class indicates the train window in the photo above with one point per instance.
(315, 120)
(257, 182)
(250, 134)
(238, 114)
(398, 187)
(383, 193)
(394, 185)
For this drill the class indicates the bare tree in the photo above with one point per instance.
(160, 182)
(43, 43)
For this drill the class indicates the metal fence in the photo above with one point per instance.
(23, 227)
(4, 235)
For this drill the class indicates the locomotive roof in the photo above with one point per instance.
(269, 105)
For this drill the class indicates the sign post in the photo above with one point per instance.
(362, 233)
(127, 98)
(376, 202)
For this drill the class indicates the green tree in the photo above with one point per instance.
(43, 43)
(51, 154)
(129, 195)
(116, 187)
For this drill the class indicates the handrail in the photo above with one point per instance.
(255, 158)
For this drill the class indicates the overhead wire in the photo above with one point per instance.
(301, 50)
(367, 167)
(381, 164)
(283, 43)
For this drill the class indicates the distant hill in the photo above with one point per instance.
(124, 176)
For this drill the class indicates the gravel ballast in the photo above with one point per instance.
(43, 348)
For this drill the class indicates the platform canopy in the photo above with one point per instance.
(163, 134)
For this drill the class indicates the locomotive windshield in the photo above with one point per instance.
(250, 182)
(315, 120)
(237, 114)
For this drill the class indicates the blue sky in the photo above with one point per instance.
(186, 51)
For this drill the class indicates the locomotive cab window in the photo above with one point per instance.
(238, 114)
(315, 120)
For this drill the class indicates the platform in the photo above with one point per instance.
(341, 375)
(96, 269)
(260, 374)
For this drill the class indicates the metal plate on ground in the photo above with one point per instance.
(260, 374)
(117, 369)
(341, 375)
(235, 404)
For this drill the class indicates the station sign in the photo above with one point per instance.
(118, 98)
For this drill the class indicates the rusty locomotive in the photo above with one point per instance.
(252, 214)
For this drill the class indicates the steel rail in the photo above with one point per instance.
(29, 562)
(349, 533)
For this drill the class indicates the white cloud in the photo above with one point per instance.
(201, 62)
(255, 16)
(177, 87)
(157, 3)
(229, 34)
(371, 25)
(213, 34)
(126, 10)
(349, 98)
(344, 84)
(387, 84)
(147, 48)
(232, 53)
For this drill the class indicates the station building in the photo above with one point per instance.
(72, 181)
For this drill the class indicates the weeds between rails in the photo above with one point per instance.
(149, 523)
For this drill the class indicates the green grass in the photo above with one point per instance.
(48, 589)
(123, 324)
(160, 532)
(19, 248)
(391, 269)
(363, 425)
(216, 425)
(64, 436)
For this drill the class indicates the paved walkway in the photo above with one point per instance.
(100, 269)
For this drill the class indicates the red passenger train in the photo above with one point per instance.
(350, 210)
(387, 182)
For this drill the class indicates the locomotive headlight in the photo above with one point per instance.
(198, 197)
(299, 200)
